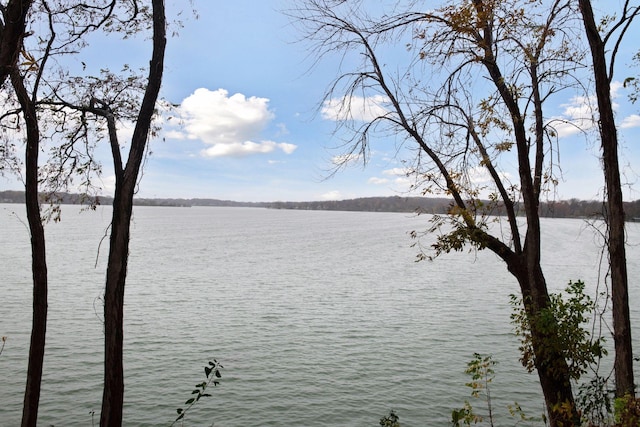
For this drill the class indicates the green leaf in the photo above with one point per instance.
(190, 401)
(207, 371)
(179, 410)
(218, 375)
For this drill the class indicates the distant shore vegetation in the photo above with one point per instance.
(572, 208)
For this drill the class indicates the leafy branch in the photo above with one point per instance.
(563, 324)
(480, 369)
(212, 373)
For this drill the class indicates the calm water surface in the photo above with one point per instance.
(319, 318)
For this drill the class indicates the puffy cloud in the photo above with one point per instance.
(344, 159)
(632, 121)
(238, 149)
(578, 116)
(355, 108)
(332, 195)
(399, 177)
(230, 125)
(399, 172)
(480, 175)
(615, 88)
(108, 184)
(378, 181)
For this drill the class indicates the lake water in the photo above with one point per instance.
(319, 318)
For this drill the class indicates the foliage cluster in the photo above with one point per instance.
(480, 368)
(391, 420)
(481, 371)
(594, 403)
(627, 411)
(563, 323)
(571, 312)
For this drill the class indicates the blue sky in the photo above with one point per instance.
(251, 130)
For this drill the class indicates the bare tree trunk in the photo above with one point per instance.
(113, 394)
(126, 179)
(38, 256)
(623, 363)
(14, 16)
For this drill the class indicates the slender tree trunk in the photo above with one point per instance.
(113, 393)
(38, 256)
(11, 33)
(623, 364)
(126, 179)
(12, 30)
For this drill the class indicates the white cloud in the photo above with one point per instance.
(282, 129)
(615, 88)
(580, 114)
(240, 149)
(632, 121)
(287, 148)
(355, 108)
(399, 177)
(125, 132)
(480, 175)
(577, 116)
(344, 159)
(230, 125)
(108, 184)
(378, 181)
(399, 172)
(403, 181)
(331, 195)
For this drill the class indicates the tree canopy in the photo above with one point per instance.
(471, 97)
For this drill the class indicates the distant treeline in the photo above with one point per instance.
(572, 208)
(78, 199)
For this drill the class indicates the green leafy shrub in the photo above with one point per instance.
(480, 368)
(563, 323)
(627, 411)
(391, 420)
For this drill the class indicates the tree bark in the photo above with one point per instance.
(623, 363)
(38, 255)
(113, 393)
(11, 34)
(126, 180)
(12, 31)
